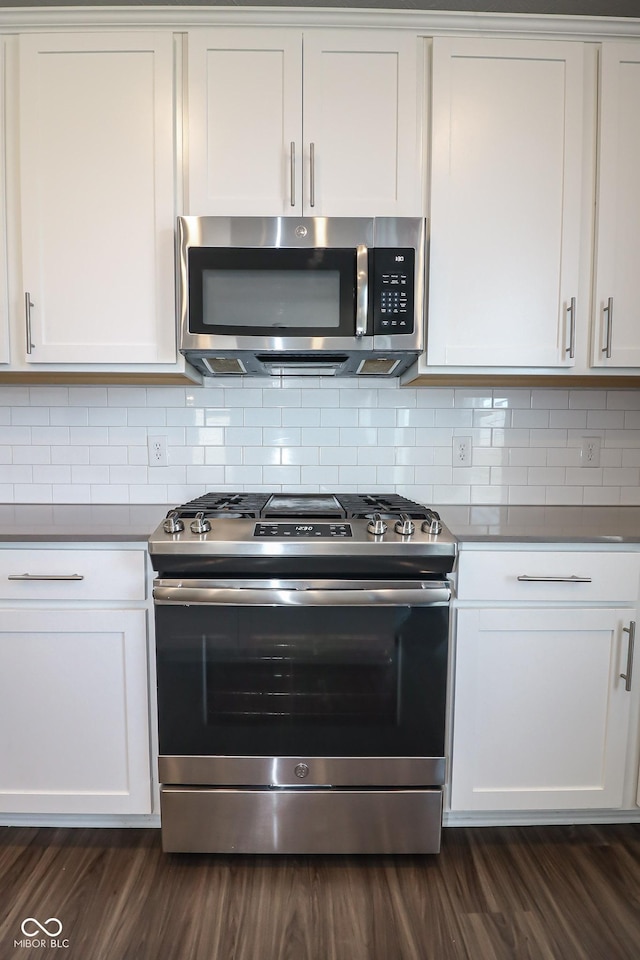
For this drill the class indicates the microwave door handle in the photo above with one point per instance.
(362, 289)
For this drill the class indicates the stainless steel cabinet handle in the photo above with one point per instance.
(45, 576)
(571, 310)
(631, 630)
(312, 174)
(609, 312)
(362, 289)
(28, 304)
(524, 578)
(292, 166)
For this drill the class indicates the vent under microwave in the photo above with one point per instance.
(318, 364)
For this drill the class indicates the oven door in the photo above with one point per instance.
(295, 684)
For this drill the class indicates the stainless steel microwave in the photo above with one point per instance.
(280, 296)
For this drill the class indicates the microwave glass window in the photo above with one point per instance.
(271, 299)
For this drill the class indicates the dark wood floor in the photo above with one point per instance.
(552, 893)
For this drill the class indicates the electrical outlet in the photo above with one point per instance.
(157, 447)
(590, 452)
(461, 451)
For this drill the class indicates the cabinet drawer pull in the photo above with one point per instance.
(571, 310)
(28, 304)
(312, 174)
(524, 578)
(609, 312)
(292, 167)
(631, 630)
(45, 576)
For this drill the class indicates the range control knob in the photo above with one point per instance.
(301, 770)
(200, 524)
(405, 525)
(173, 523)
(377, 526)
(432, 524)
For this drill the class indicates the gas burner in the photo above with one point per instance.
(281, 506)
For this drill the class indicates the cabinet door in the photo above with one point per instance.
(617, 283)
(4, 302)
(96, 169)
(73, 712)
(505, 202)
(360, 123)
(245, 122)
(541, 714)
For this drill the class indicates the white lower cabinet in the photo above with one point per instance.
(74, 703)
(542, 715)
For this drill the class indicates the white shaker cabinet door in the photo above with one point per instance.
(617, 283)
(4, 301)
(361, 126)
(245, 122)
(505, 202)
(541, 712)
(97, 197)
(74, 733)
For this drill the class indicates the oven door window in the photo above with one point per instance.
(283, 681)
(272, 292)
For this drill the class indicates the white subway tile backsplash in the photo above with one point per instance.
(109, 417)
(31, 454)
(50, 435)
(334, 455)
(260, 417)
(252, 456)
(588, 399)
(299, 456)
(89, 444)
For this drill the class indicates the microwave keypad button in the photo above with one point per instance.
(392, 282)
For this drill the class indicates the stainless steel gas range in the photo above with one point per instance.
(301, 648)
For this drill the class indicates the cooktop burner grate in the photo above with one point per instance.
(280, 506)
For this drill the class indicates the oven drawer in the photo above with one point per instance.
(300, 821)
(72, 574)
(548, 575)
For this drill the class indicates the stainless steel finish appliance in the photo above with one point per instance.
(278, 296)
(301, 660)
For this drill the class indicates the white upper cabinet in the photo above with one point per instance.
(506, 172)
(616, 341)
(4, 302)
(360, 124)
(244, 121)
(97, 197)
(323, 122)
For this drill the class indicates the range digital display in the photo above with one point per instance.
(303, 531)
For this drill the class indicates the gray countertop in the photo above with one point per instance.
(67, 522)
(470, 524)
(549, 524)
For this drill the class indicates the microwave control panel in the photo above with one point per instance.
(392, 290)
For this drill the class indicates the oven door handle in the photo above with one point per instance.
(184, 595)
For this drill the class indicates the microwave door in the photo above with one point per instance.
(279, 299)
